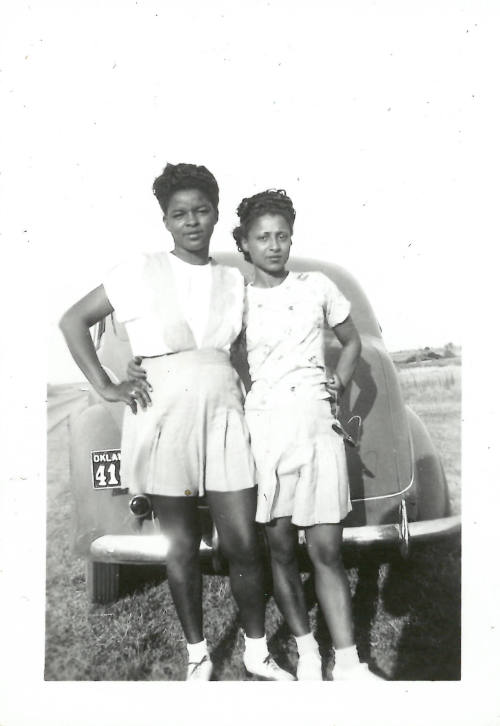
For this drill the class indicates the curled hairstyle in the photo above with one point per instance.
(176, 177)
(272, 201)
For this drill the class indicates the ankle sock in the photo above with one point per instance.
(256, 648)
(306, 644)
(346, 657)
(196, 651)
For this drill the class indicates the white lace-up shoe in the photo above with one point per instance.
(200, 671)
(267, 669)
(359, 672)
(309, 667)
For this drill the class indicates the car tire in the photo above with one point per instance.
(103, 581)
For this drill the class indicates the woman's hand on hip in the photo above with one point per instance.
(130, 392)
(334, 386)
(335, 389)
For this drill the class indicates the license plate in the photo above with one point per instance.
(106, 468)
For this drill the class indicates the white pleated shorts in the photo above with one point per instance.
(194, 438)
(301, 463)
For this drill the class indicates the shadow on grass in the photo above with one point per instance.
(427, 589)
(425, 592)
(134, 579)
(222, 654)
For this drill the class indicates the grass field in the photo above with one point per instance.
(407, 616)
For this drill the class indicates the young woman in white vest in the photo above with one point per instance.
(182, 312)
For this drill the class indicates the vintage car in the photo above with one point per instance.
(398, 486)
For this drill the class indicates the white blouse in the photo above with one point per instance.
(193, 285)
(168, 308)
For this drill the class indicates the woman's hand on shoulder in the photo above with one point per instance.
(130, 392)
(136, 373)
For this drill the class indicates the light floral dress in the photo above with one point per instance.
(301, 462)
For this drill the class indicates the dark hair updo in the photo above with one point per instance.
(176, 177)
(272, 201)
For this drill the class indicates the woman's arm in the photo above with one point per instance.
(75, 325)
(348, 337)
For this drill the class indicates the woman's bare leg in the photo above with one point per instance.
(324, 543)
(287, 583)
(179, 521)
(234, 517)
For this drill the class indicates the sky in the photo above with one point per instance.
(367, 114)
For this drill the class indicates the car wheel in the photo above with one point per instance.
(103, 581)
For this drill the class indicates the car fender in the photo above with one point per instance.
(96, 512)
(429, 497)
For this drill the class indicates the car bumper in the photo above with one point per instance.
(152, 548)
(390, 534)
(135, 549)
